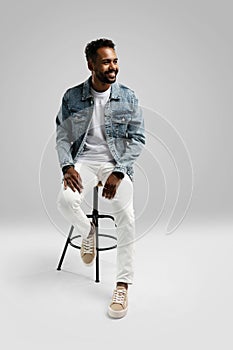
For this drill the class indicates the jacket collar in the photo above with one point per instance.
(86, 93)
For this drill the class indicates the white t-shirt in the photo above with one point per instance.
(96, 148)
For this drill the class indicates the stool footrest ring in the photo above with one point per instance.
(100, 249)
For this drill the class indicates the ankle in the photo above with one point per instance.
(122, 284)
(92, 230)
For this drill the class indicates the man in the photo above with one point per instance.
(100, 133)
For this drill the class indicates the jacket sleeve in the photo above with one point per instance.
(135, 140)
(63, 134)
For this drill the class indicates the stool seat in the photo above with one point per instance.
(95, 216)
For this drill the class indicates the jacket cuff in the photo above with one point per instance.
(120, 169)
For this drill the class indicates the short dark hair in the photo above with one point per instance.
(92, 47)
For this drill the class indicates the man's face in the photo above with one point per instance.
(105, 67)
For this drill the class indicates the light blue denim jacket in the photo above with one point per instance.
(124, 125)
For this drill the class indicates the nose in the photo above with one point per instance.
(113, 65)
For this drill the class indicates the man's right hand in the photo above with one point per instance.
(73, 180)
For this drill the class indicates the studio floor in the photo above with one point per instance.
(181, 298)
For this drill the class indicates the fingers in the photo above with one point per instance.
(111, 186)
(71, 184)
(76, 182)
(65, 184)
(109, 191)
(73, 181)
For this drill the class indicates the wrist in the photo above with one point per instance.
(66, 167)
(118, 174)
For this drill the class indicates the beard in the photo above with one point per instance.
(105, 78)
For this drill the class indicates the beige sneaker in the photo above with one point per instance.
(119, 305)
(88, 247)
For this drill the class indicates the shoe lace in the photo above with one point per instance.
(119, 296)
(88, 245)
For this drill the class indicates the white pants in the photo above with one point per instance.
(69, 204)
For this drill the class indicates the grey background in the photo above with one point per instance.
(177, 56)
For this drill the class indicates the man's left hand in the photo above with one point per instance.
(111, 186)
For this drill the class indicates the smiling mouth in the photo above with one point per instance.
(111, 74)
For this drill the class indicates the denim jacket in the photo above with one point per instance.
(124, 125)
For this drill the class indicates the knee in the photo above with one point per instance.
(68, 198)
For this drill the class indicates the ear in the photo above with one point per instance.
(90, 65)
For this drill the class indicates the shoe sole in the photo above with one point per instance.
(117, 314)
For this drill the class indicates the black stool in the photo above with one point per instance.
(95, 219)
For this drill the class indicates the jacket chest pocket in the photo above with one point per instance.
(79, 124)
(120, 125)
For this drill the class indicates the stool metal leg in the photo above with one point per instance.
(97, 269)
(65, 248)
(95, 214)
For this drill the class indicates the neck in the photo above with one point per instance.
(99, 86)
